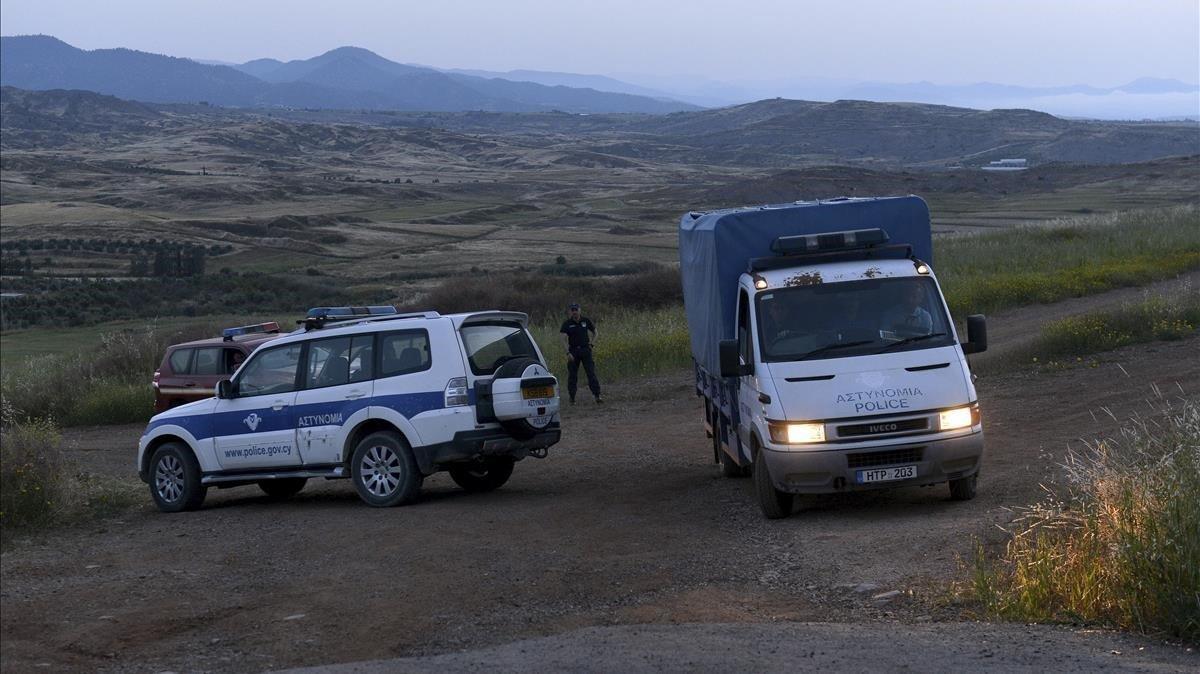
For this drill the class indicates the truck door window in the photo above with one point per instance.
(743, 328)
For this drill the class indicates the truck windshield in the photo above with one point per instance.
(836, 320)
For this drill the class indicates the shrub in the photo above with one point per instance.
(1155, 318)
(1120, 544)
(31, 473)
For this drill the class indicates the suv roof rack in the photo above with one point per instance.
(337, 320)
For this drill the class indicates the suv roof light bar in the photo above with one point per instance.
(829, 242)
(258, 328)
(350, 312)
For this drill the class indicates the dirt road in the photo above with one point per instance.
(627, 523)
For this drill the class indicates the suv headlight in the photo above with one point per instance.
(959, 417)
(796, 434)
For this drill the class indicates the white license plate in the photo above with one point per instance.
(886, 474)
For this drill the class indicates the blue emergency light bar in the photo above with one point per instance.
(229, 333)
(344, 312)
(830, 242)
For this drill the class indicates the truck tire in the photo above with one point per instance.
(483, 476)
(282, 488)
(520, 429)
(775, 504)
(175, 479)
(963, 489)
(384, 471)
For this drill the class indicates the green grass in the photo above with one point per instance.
(1072, 258)
(1153, 319)
(1119, 545)
(631, 344)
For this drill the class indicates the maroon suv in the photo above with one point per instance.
(190, 371)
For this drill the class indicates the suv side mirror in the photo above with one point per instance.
(976, 334)
(225, 389)
(731, 359)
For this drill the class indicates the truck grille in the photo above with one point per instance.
(885, 458)
(881, 427)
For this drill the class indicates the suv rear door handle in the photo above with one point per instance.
(190, 383)
(355, 394)
(278, 405)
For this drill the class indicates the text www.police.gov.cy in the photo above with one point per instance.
(269, 450)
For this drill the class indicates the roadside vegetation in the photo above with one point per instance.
(1153, 319)
(1119, 544)
(39, 486)
(1070, 258)
(107, 385)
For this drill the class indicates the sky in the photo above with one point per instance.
(1048, 42)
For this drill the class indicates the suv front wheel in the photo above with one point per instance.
(175, 479)
(483, 475)
(384, 471)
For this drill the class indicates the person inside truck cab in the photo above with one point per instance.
(911, 317)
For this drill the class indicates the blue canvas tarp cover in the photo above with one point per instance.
(715, 248)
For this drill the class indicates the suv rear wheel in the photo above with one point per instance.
(175, 479)
(484, 475)
(384, 471)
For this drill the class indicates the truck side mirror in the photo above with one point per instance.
(224, 389)
(976, 334)
(731, 359)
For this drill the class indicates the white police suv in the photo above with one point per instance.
(364, 393)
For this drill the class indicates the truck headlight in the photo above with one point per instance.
(796, 434)
(959, 417)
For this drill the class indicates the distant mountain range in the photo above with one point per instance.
(346, 78)
(356, 78)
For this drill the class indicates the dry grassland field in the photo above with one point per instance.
(625, 546)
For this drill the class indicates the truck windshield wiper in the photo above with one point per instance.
(831, 347)
(910, 340)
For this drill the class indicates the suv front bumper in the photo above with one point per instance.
(470, 446)
(827, 471)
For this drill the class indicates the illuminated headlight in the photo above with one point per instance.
(959, 417)
(796, 434)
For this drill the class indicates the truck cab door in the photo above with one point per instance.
(747, 390)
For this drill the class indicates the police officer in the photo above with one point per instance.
(579, 351)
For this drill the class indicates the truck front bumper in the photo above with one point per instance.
(837, 470)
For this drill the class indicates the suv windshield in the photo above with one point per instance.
(835, 320)
(490, 344)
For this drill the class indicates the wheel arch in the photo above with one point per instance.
(158, 441)
(366, 427)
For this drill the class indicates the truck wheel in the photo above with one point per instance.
(175, 479)
(484, 475)
(729, 467)
(283, 487)
(384, 471)
(963, 489)
(775, 504)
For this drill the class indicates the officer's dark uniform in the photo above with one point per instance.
(580, 347)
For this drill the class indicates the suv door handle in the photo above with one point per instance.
(278, 405)
(355, 394)
(190, 383)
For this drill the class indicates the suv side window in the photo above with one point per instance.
(362, 358)
(209, 361)
(403, 352)
(328, 362)
(271, 371)
(180, 361)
